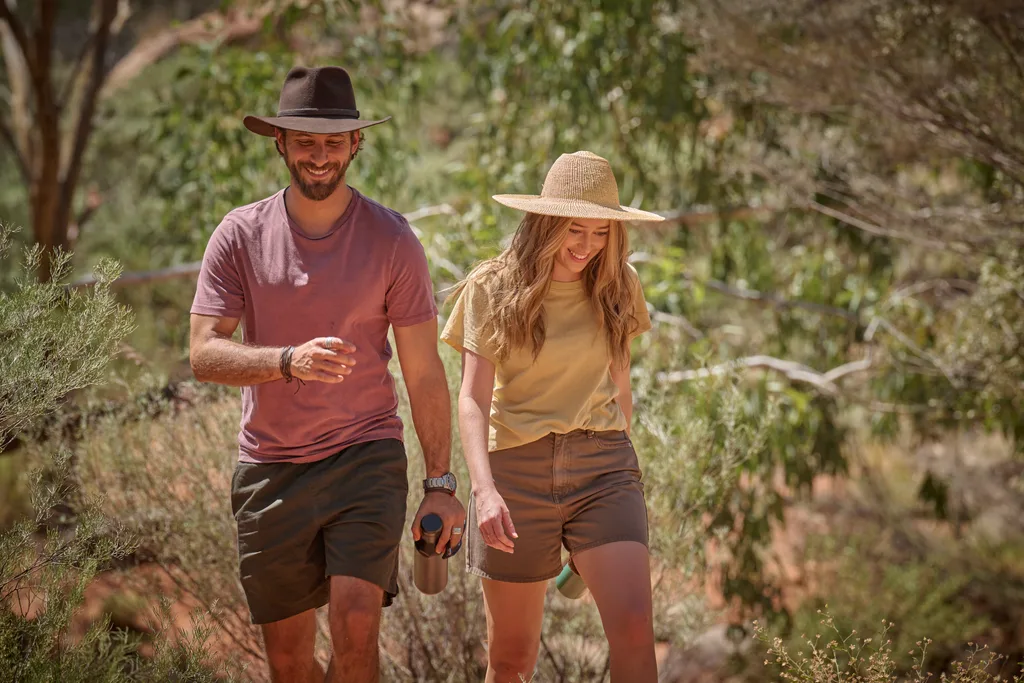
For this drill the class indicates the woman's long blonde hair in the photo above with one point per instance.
(522, 277)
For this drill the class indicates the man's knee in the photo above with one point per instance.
(355, 611)
(289, 646)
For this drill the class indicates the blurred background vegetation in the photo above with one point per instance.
(829, 409)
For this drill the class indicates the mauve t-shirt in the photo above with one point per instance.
(367, 273)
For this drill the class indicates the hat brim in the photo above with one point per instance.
(574, 208)
(267, 125)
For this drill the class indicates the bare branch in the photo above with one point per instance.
(107, 10)
(738, 213)
(876, 229)
(427, 211)
(184, 270)
(213, 26)
(1000, 33)
(677, 320)
(836, 374)
(17, 30)
(917, 288)
(19, 74)
(145, 276)
(921, 353)
(796, 372)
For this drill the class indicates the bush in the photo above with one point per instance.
(55, 341)
(845, 657)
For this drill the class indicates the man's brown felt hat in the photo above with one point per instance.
(314, 100)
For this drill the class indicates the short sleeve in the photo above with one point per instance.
(410, 295)
(470, 326)
(643, 317)
(219, 290)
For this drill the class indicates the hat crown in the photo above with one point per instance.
(308, 89)
(582, 176)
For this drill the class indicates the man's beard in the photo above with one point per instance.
(317, 190)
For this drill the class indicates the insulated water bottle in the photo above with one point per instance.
(569, 583)
(430, 568)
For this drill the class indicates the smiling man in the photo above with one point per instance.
(317, 274)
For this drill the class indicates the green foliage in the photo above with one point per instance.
(46, 563)
(55, 339)
(872, 582)
(607, 75)
(843, 656)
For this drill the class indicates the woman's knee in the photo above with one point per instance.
(513, 656)
(631, 628)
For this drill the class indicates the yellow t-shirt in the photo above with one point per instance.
(569, 386)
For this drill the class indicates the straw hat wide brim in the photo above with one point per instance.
(574, 208)
(266, 125)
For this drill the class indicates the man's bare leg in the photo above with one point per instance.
(355, 624)
(289, 645)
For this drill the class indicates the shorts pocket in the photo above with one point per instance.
(613, 440)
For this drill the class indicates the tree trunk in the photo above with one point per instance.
(47, 231)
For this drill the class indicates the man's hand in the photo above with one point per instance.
(324, 359)
(451, 512)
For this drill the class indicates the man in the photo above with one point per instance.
(318, 273)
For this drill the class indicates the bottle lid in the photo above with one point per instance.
(431, 524)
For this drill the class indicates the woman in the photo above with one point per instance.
(551, 319)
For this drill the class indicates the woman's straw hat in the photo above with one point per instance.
(579, 185)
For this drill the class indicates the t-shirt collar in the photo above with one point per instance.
(294, 227)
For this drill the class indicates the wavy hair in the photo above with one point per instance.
(521, 277)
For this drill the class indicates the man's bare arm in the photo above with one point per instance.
(216, 357)
(428, 393)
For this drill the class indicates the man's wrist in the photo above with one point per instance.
(446, 483)
(284, 363)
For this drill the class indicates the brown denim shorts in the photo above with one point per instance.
(299, 524)
(580, 490)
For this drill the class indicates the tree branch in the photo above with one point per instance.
(677, 320)
(875, 229)
(213, 26)
(17, 59)
(17, 30)
(796, 372)
(107, 10)
(738, 213)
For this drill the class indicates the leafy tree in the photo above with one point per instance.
(53, 96)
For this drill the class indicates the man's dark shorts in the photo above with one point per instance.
(299, 524)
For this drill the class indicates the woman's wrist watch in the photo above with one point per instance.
(446, 482)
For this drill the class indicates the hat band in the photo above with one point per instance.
(321, 113)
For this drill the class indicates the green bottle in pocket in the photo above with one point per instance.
(569, 583)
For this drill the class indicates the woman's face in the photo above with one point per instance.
(586, 238)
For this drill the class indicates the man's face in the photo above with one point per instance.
(317, 162)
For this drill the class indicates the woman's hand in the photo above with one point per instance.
(494, 520)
